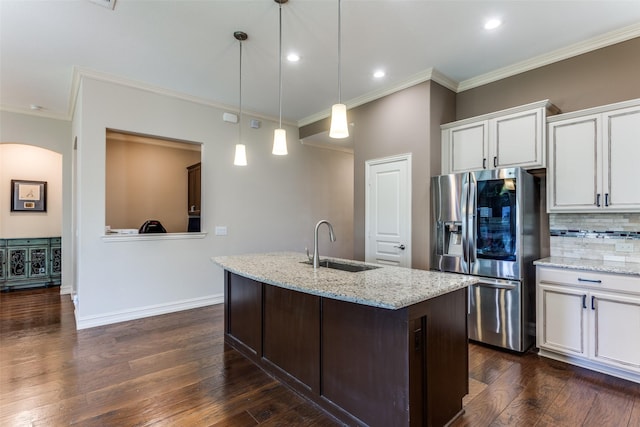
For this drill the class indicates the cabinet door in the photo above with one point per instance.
(291, 333)
(193, 184)
(575, 168)
(38, 262)
(518, 140)
(615, 325)
(468, 147)
(3, 266)
(621, 153)
(243, 316)
(18, 263)
(562, 324)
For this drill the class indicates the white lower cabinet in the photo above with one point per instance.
(615, 322)
(590, 320)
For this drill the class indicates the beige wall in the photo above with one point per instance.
(147, 181)
(601, 77)
(26, 162)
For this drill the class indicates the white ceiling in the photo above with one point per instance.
(187, 47)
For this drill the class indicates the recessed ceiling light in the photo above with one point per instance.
(293, 57)
(492, 24)
(378, 74)
(35, 107)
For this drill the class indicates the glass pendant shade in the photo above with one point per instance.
(339, 128)
(280, 142)
(241, 155)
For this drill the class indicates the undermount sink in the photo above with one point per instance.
(337, 265)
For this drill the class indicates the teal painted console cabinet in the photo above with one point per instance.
(30, 262)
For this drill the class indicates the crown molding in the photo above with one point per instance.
(608, 39)
(326, 146)
(576, 49)
(421, 77)
(85, 73)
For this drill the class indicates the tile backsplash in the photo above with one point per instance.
(607, 237)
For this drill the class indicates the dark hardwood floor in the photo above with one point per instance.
(175, 370)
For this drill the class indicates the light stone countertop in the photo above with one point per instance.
(385, 287)
(616, 267)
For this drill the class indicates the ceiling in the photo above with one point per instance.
(187, 47)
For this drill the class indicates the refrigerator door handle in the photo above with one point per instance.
(471, 221)
(463, 210)
(506, 286)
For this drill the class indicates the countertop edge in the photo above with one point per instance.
(461, 282)
(613, 267)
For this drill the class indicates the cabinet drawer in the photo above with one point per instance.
(27, 242)
(590, 279)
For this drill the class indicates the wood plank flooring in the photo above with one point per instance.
(174, 370)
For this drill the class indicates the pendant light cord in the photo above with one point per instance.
(240, 101)
(339, 54)
(280, 71)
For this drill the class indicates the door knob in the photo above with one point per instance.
(401, 247)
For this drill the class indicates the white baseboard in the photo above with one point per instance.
(594, 366)
(148, 311)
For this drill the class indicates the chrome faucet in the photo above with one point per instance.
(316, 256)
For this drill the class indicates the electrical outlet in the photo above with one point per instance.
(624, 247)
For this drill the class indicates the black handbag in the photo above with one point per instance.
(152, 226)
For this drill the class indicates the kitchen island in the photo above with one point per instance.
(381, 347)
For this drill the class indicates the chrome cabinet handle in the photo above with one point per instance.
(401, 247)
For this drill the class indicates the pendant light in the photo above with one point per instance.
(241, 151)
(339, 128)
(280, 135)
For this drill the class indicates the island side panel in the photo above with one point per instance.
(364, 362)
(243, 314)
(446, 354)
(292, 334)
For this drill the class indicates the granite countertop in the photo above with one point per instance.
(617, 267)
(385, 287)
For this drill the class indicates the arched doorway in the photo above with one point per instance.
(30, 240)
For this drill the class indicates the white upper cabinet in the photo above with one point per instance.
(507, 138)
(593, 160)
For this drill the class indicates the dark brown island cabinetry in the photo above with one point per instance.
(362, 364)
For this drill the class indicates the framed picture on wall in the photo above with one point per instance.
(28, 196)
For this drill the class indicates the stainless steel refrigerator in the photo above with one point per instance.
(486, 224)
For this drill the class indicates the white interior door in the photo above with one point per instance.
(388, 211)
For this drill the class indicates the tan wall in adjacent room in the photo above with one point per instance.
(145, 181)
(26, 162)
